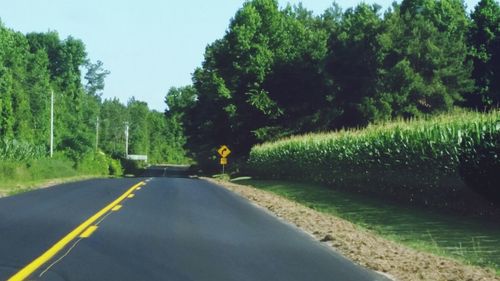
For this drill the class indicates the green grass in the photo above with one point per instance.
(21, 176)
(224, 177)
(472, 240)
(8, 189)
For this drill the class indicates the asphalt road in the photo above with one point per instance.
(174, 228)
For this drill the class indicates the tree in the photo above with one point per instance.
(95, 77)
(425, 67)
(6, 83)
(139, 131)
(38, 87)
(484, 40)
(179, 100)
(33, 65)
(73, 131)
(252, 84)
(113, 116)
(354, 60)
(166, 141)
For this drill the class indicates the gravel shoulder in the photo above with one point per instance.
(363, 247)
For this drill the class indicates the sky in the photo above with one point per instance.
(147, 45)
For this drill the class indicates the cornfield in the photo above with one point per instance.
(426, 161)
(18, 150)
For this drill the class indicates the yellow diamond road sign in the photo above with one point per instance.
(224, 151)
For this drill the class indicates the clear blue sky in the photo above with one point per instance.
(148, 45)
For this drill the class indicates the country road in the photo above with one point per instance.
(163, 226)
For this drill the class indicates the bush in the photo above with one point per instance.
(417, 161)
(46, 168)
(15, 174)
(131, 167)
(38, 169)
(99, 164)
(93, 164)
(115, 167)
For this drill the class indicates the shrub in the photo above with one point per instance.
(131, 167)
(115, 167)
(46, 168)
(37, 169)
(93, 164)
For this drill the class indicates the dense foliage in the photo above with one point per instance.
(426, 162)
(150, 133)
(15, 150)
(484, 40)
(36, 64)
(284, 71)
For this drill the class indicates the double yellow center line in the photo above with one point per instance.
(52, 251)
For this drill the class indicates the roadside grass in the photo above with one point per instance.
(13, 188)
(21, 176)
(472, 240)
(224, 177)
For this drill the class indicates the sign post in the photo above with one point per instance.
(224, 152)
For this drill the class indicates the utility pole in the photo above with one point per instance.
(97, 134)
(51, 123)
(126, 139)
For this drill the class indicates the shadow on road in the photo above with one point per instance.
(171, 171)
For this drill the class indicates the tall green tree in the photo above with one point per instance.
(6, 83)
(484, 40)
(34, 65)
(139, 131)
(20, 95)
(180, 101)
(76, 111)
(253, 82)
(38, 87)
(113, 116)
(95, 76)
(166, 145)
(354, 61)
(425, 58)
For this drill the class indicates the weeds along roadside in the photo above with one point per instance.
(23, 165)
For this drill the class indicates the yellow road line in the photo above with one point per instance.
(26, 271)
(139, 188)
(116, 208)
(88, 231)
(131, 196)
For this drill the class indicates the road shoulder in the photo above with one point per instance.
(360, 245)
(12, 189)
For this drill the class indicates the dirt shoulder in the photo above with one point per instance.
(363, 247)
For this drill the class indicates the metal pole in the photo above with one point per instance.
(126, 139)
(51, 123)
(97, 134)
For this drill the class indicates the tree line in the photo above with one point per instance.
(35, 64)
(284, 71)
